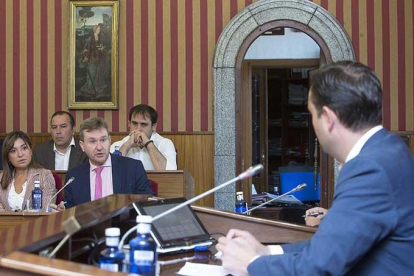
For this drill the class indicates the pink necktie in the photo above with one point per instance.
(98, 183)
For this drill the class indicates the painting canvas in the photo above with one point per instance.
(93, 55)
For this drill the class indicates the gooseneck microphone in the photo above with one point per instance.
(67, 183)
(298, 188)
(249, 173)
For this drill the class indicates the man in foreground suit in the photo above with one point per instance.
(104, 174)
(63, 152)
(369, 230)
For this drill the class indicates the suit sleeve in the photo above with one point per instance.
(294, 247)
(49, 187)
(142, 184)
(361, 216)
(36, 155)
(69, 192)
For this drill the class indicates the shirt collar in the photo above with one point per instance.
(108, 163)
(356, 149)
(72, 143)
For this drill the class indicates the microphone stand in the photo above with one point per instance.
(249, 173)
(71, 226)
(298, 188)
(67, 183)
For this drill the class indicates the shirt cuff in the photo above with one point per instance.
(254, 259)
(274, 250)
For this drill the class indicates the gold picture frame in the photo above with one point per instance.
(93, 55)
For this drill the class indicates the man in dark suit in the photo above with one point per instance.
(63, 152)
(104, 174)
(369, 230)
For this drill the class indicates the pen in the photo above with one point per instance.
(313, 214)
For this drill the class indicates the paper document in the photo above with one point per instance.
(195, 269)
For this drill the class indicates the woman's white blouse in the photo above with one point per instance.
(15, 199)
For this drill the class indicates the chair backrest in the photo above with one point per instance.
(154, 186)
(58, 185)
(1, 155)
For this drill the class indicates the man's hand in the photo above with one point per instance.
(239, 248)
(140, 139)
(237, 254)
(259, 248)
(136, 139)
(315, 215)
(58, 208)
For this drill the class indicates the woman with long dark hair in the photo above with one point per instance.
(19, 173)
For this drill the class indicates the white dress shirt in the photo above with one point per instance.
(15, 199)
(62, 159)
(164, 145)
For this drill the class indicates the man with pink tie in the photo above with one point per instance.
(104, 174)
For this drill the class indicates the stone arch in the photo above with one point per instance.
(233, 43)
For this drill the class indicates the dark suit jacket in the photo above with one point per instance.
(369, 229)
(45, 156)
(128, 176)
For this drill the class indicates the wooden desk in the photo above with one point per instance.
(171, 184)
(17, 243)
(9, 218)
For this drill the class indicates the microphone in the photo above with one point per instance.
(67, 183)
(248, 173)
(298, 188)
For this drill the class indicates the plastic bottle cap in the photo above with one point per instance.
(112, 232)
(37, 183)
(144, 219)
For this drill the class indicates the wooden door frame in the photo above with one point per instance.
(243, 124)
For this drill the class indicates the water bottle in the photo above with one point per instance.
(111, 258)
(240, 203)
(276, 191)
(143, 249)
(37, 196)
(117, 152)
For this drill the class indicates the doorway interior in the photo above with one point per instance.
(278, 82)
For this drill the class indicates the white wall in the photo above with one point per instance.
(292, 45)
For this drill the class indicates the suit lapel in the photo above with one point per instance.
(74, 155)
(116, 174)
(85, 192)
(32, 176)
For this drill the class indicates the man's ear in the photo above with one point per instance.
(154, 127)
(81, 145)
(330, 118)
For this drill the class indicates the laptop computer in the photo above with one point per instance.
(179, 231)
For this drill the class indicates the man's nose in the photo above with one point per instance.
(99, 145)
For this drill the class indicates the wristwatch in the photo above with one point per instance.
(147, 143)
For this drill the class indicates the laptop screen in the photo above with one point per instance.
(181, 227)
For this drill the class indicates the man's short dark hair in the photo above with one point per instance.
(352, 90)
(60, 113)
(91, 124)
(145, 111)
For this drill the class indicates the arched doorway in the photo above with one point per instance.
(231, 47)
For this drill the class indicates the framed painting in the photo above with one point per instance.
(93, 55)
